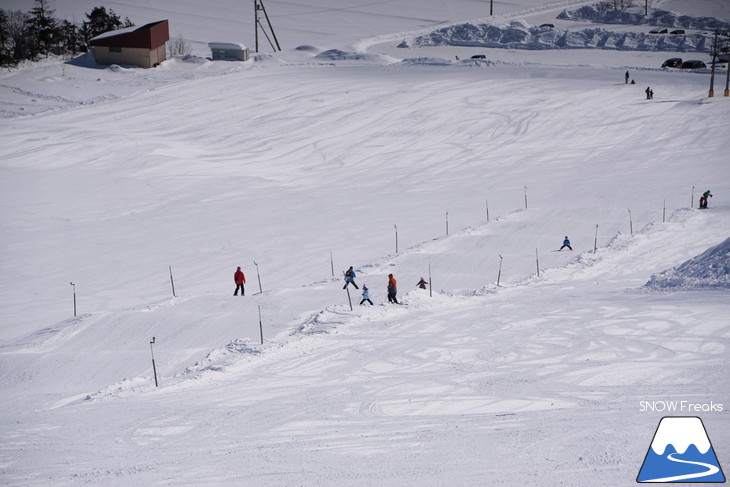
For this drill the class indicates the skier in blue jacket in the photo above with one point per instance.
(365, 295)
(350, 278)
(566, 243)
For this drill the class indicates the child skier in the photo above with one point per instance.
(350, 278)
(422, 283)
(566, 243)
(365, 295)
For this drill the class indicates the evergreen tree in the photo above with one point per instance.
(45, 27)
(100, 21)
(71, 35)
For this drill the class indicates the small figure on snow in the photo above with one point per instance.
(422, 283)
(649, 93)
(392, 289)
(626, 78)
(633, 82)
(566, 243)
(365, 295)
(240, 280)
(704, 199)
(350, 278)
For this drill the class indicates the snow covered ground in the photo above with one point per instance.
(314, 159)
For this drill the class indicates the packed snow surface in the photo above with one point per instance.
(519, 365)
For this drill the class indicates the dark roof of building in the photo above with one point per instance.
(148, 36)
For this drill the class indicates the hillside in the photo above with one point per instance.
(300, 164)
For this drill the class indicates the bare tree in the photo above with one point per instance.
(19, 34)
(179, 47)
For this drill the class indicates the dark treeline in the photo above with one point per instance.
(29, 35)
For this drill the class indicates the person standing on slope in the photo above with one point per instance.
(350, 278)
(422, 283)
(705, 199)
(392, 289)
(626, 78)
(365, 295)
(240, 280)
(566, 243)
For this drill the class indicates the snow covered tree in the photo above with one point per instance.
(45, 27)
(71, 37)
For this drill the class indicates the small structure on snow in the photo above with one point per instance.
(230, 51)
(138, 46)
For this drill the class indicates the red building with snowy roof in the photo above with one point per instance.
(139, 46)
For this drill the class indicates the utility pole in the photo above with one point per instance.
(712, 73)
(258, 6)
(491, 7)
(74, 288)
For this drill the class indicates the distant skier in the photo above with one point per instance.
(350, 278)
(240, 280)
(566, 243)
(649, 93)
(626, 78)
(365, 295)
(422, 283)
(392, 289)
(705, 199)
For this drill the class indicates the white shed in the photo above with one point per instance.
(228, 51)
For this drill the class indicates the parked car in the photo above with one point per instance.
(673, 62)
(693, 64)
(658, 31)
(479, 56)
(678, 32)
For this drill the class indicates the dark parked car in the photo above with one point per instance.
(658, 31)
(479, 56)
(674, 62)
(678, 31)
(693, 64)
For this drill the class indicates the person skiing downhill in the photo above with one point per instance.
(566, 243)
(365, 295)
(240, 280)
(392, 289)
(422, 283)
(350, 278)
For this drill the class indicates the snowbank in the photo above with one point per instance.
(518, 35)
(603, 13)
(708, 270)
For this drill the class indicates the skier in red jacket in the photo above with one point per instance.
(240, 280)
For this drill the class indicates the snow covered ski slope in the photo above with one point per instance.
(316, 159)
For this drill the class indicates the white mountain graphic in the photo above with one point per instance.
(680, 432)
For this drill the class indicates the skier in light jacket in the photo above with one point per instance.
(350, 278)
(365, 295)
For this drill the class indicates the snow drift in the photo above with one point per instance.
(711, 269)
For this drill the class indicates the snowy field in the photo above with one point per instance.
(327, 155)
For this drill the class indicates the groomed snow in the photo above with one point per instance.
(298, 164)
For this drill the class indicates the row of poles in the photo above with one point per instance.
(430, 278)
(397, 249)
